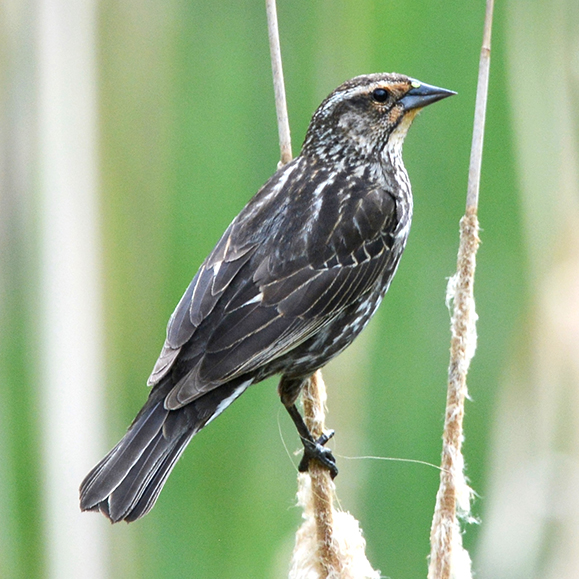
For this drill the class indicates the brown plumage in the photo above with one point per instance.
(294, 279)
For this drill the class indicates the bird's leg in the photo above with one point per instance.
(313, 449)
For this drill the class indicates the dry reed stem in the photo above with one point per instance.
(285, 144)
(480, 109)
(329, 544)
(322, 486)
(448, 559)
(314, 394)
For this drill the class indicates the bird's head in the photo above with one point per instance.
(366, 114)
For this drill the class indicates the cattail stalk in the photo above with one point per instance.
(319, 488)
(448, 558)
(285, 144)
(329, 544)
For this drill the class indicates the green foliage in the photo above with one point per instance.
(188, 135)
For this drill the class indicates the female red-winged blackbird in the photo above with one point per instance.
(294, 279)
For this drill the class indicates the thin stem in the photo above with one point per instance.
(313, 399)
(278, 84)
(314, 393)
(480, 112)
(445, 538)
(447, 556)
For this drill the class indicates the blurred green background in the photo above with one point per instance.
(184, 133)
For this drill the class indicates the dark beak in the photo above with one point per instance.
(422, 94)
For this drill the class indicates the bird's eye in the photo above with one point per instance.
(380, 95)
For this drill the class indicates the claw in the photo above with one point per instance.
(314, 450)
(325, 437)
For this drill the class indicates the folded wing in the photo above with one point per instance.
(261, 294)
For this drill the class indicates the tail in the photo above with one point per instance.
(126, 483)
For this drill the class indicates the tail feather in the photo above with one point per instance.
(150, 494)
(137, 479)
(106, 476)
(127, 482)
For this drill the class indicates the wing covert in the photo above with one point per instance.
(253, 302)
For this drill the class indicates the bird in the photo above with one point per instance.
(292, 282)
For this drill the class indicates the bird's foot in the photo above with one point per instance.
(315, 450)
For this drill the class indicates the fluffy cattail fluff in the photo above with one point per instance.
(448, 558)
(329, 544)
(348, 544)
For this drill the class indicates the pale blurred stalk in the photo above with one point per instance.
(18, 434)
(71, 371)
(530, 523)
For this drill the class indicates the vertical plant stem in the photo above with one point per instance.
(446, 546)
(314, 394)
(313, 399)
(285, 144)
(70, 296)
(480, 112)
(447, 556)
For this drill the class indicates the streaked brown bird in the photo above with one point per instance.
(293, 280)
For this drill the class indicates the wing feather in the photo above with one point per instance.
(257, 297)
